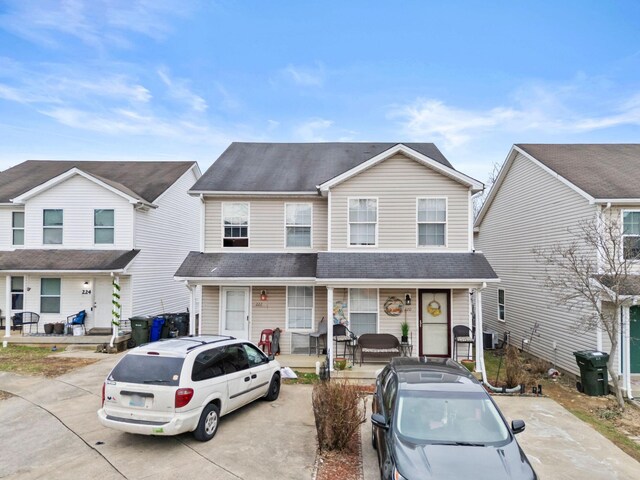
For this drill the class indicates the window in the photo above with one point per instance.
(50, 295)
(235, 359)
(363, 220)
(299, 307)
(631, 234)
(432, 222)
(235, 220)
(255, 356)
(207, 365)
(501, 304)
(103, 226)
(298, 224)
(52, 227)
(17, 293)
(17, 223)
(363, 310)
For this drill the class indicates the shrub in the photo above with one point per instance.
(514, 371)
(339, 410)
(539, 366)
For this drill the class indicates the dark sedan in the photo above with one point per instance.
(433, 420)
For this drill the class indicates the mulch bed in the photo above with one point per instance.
(346, 465)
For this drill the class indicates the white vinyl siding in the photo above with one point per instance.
(532, 209)
(363, 310)
(298, 224)
(52, 225)
(631, 233)
(17, 226)
(103, 226)
(501, 312)
(299, 308)
(235, 224)
(432, 222)
(50, 289)
(363, 221)
(396, 183)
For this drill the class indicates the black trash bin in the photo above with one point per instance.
(140, 329)
(181, 322)
(594, 379)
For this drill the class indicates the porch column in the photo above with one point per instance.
(330, 326)
(192, 309)
(7, 313)
(626, 352)
(479, 353)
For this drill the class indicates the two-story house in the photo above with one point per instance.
(73, 229)
(539, 199)
(366, 234)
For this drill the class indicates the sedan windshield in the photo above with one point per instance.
(450, 418)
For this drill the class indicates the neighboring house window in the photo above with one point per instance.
(298, 224)
(17, 293)
(501, 305)
(235, 220)
(432, 222)
(363, 310)
(300, 307)
(363, 221)
(631, 234)
(17, 223)
(103, 226)
(52, 227)
(50, 295)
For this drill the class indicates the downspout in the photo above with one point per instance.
(479, 337)
(626, 374)
(7, 315)
(116, 308)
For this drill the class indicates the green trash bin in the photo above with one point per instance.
(594, 378)
(140, 327)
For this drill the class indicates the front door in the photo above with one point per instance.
(434, 338)
(102, 302)
(634, 333)
(235, 312)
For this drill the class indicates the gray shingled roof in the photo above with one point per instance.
(63, 259)
(292, 167)
(142, 180)
(248, 265)
(604, 171)
(629, 285)
(409, 265)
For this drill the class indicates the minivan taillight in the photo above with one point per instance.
(104, 385)
(183, 396)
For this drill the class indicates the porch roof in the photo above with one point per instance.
(56, 260)
(630, 286)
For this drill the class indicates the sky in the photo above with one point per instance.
(181, 80)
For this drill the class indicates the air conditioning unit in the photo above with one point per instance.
(490, 339)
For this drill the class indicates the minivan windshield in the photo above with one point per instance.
(148, 369)
(450, 418)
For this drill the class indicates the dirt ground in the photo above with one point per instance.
(38, 361)
(345, 465)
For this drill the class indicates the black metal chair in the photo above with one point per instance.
(21, 319)
(341, 334)
(316, 337)
(464, 335)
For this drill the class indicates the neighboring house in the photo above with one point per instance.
(541, 192)
(70, 229)
(296, 232)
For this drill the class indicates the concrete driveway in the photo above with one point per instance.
(50, 430)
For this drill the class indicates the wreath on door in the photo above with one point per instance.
(434, 308)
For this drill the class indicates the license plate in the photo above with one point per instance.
(137, 401)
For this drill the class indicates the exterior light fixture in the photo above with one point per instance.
(85, 285)
(263, 296)
(407, 299)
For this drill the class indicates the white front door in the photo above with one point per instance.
(102, 306)
(235, 312)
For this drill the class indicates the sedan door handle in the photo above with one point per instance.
(254, 376)
(246, 379)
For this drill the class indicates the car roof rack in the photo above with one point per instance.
(223, 338)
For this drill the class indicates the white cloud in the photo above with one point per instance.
(178, 89)
(308, 131)
(305, 76)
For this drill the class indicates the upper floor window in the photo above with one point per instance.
(363, 221)
(631, 234)
(103, 226)
(432, 222)
(52, 227)
(17, 223)
(235, 222)
(501, 316)
(50, 295)
(300, 307)
(298, 224)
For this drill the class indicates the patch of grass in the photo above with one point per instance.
(37, 361)
(492, 363)
(304, 378)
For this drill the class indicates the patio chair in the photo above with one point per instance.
(76, 320)
(462, 334)
(316, 337)
(341, 334)
(21, 319)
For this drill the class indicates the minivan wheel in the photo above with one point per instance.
(208, 424)
(274, 388)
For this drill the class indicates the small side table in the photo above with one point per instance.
(406, 349)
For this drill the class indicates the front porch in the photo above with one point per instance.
(41, 339)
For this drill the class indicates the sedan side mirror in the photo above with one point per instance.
(517, 426)
(379, 421)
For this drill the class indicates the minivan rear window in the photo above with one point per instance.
(151, 370)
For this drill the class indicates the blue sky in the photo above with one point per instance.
(161, 80)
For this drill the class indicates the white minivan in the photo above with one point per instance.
(185, 385)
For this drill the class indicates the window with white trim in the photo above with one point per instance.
(298, 224)
(103, 226)
(235, 223)
(363, 221)
(17, 225)
(363, 310)
(17, 293)
(631, 234)
(432, 222)
(501, 316)
(50, 295)
(52, 227)
(299, 307)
